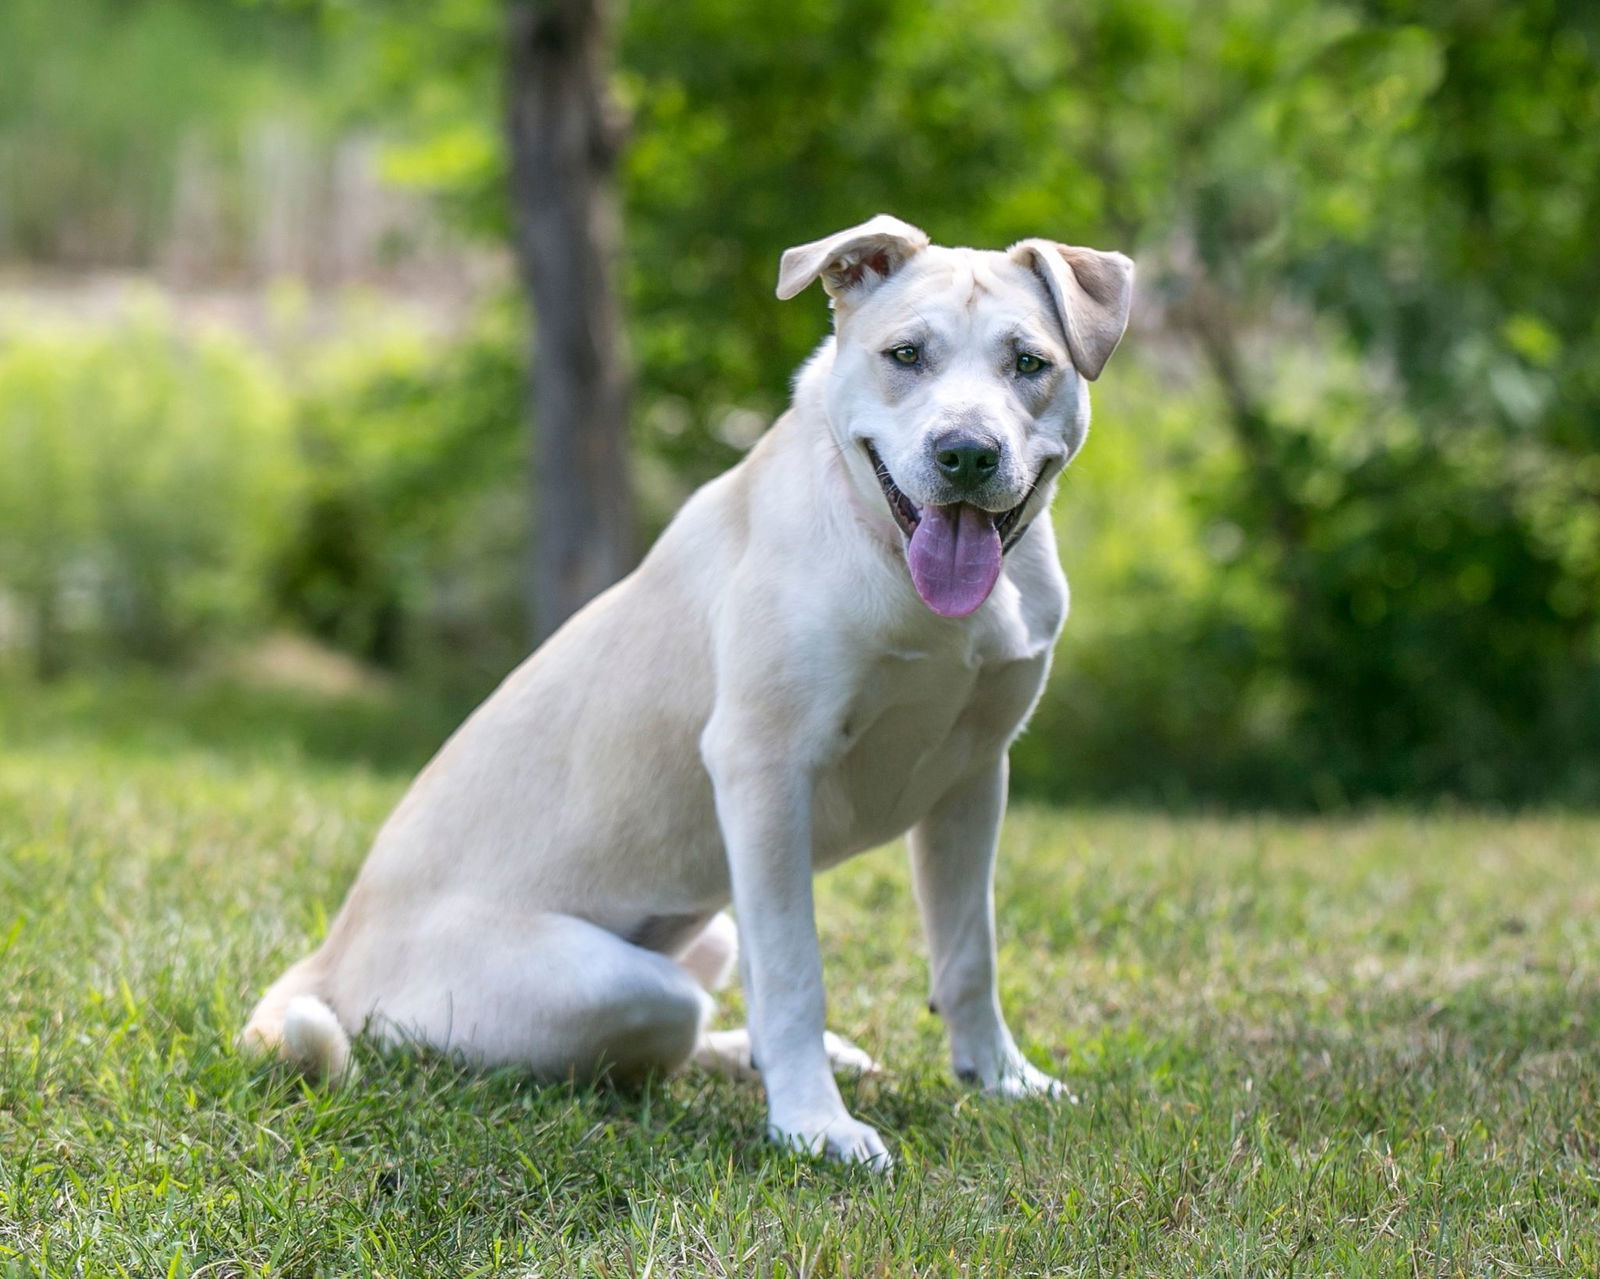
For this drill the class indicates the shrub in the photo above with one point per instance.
(146, 477)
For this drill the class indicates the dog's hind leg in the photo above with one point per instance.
(555, 994)
(710, 955)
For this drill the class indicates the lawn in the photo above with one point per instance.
(1361, 1044)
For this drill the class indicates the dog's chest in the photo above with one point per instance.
(923, 716)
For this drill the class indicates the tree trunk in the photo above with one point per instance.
(565, 137)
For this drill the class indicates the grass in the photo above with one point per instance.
(1355, 1045)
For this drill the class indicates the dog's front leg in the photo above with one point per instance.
(764, 809)
(952, 862)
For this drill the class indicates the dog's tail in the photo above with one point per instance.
(292, 1023)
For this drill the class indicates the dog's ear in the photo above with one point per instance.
(1092, 293)
(846, 260)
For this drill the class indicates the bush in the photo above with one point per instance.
(409, 551)
(146, 477)
(1424, 626)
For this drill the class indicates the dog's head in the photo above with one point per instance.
(959, 385)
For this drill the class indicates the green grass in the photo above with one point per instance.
(1356, 1045)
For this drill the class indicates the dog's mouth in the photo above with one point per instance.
(953, 550)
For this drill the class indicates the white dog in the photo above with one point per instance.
(832, 644)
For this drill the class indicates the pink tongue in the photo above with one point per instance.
(954, 558)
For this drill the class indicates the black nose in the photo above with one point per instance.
(965, 460)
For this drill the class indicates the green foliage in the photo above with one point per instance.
(1336, 534)
(1332, 1046)
(1441, 565)
(99, 97)
(144, 475)
(1360, 584)
(164, 492)
(1405, 642)
(409, 548)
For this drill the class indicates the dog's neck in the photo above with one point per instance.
(811, 382)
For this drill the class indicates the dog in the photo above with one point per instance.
(833, 643)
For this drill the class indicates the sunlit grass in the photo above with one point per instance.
(1361, 1045)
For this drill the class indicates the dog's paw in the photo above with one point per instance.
(843, 1139)
(1020, 1079)
(727, 1053)
(846, 1059)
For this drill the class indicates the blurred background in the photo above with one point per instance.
(265, 415)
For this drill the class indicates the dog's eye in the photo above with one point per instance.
(1028, 362)
(906, 353)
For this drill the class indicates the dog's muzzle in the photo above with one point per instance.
(953, 549)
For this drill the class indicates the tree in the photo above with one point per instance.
(1357, 418)
(564, 137)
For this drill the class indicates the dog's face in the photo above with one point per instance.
(958, 389)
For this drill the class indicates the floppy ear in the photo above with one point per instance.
(866, 254)
(1092, 292)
